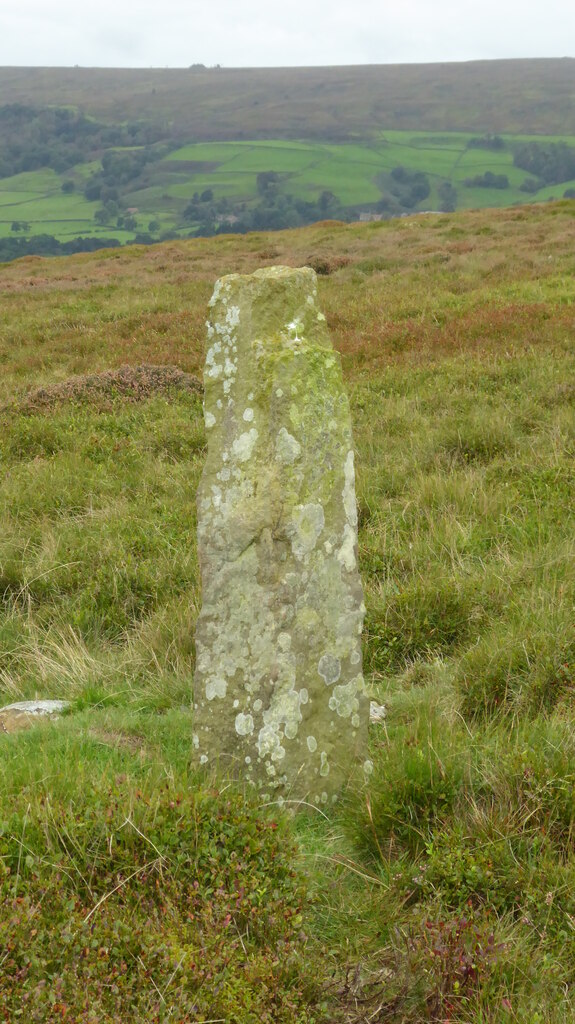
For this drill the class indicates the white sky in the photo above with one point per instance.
(264, 33)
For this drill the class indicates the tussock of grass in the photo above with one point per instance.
(101, 390)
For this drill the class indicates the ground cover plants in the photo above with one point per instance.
(444, 892)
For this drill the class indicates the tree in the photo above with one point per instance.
(93, 190)
(266, 182)
(327, 201)
(493, 142)
(488, 180)
(551, 162)
(447, 197)
(531, 185)
(68, 187)
(410, 187)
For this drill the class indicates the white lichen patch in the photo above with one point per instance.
(210, 420)
(324, 764)
(215, 371)
(248, 415)
(329, 669)
(244, 724)
(288, 449)
(216, 686)
(243, 446)
(344, 698)
(233, 316)
(293, 330)
(348, 493)
(281, 720)
(346, 553)
(269, 743)
(216, 292)
(311, 744)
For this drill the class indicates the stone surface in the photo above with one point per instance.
(377, 712)
(278, 690)
(23, 714)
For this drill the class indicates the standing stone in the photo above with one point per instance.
(278, 690)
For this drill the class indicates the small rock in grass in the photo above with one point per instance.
(23, 714)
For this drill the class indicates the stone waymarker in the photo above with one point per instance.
(278, 690)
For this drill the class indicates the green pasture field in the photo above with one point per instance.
(555, 191)
(16, 198)
(40, 181)
(355, 172)
(349, 170)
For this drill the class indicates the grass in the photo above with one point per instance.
(445, 891)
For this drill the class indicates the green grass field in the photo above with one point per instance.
(353, 172)
(445, 892)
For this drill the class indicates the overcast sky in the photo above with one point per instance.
(254, 33)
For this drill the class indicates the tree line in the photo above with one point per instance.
(46, 245)
(35, 137)
(548, 163)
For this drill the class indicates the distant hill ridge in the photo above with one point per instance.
(337, 103)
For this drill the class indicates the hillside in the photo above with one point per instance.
(130, 887)
(99, 157)
(332, 104)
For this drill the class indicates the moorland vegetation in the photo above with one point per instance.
(445, 892)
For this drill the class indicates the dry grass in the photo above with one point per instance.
(102, 390)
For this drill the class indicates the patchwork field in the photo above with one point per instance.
(357, 175)
(131, 887)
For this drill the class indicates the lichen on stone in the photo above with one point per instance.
(278, 690)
